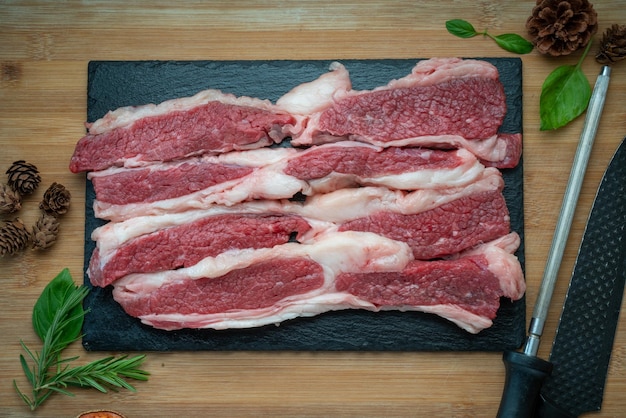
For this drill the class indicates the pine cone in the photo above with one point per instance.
(560, 27)
(9, 200)
(612, 45)
(14, 237)
(45, 231)
(23, 177)
(56, 200)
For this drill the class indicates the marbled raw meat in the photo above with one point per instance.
(339, 271)
(433, 223)
(281, 173)
(443, 103)
(209, 122)
(185, 244)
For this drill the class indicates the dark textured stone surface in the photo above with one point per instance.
(112, 84)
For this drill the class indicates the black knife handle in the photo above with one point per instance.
(524, 377)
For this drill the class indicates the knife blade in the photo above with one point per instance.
(525, 372)
(583, 343)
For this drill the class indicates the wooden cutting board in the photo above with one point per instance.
(112, 84)
(46, 46)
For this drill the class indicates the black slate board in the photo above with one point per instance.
(112, 84)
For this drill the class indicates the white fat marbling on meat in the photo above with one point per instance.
(466, 320)
(337, 252)
(439, 70)
(311, 97)
(125, 116)
(468, 171)
(275, 314)
(348, 204)
(493, 148)
(504, 264)
(249, 158)
(269, 181)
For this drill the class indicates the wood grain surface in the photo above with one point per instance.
(44, 50)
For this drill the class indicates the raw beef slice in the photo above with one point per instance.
(444, 102)
(465, 289)
(184, 245)
(209, 122)
(275, 174)
(146, 295)
(444, 230)
(315, 278)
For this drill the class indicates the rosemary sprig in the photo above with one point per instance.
(57, 318)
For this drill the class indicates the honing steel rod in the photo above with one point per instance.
(570, 199)
(525, 372)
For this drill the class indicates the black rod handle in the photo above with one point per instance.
(524, 376)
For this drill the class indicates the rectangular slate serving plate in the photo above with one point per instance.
(112, 84)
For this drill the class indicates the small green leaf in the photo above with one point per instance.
(565, 95)
(25, 398)
(513, 43)
(27, 371)
(53, 297)
(32, 356)
(461, 28)
(61, 390)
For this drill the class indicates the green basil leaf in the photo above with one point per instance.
(512, 42)
(565, 95)
(53, 297)
(461, 28)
